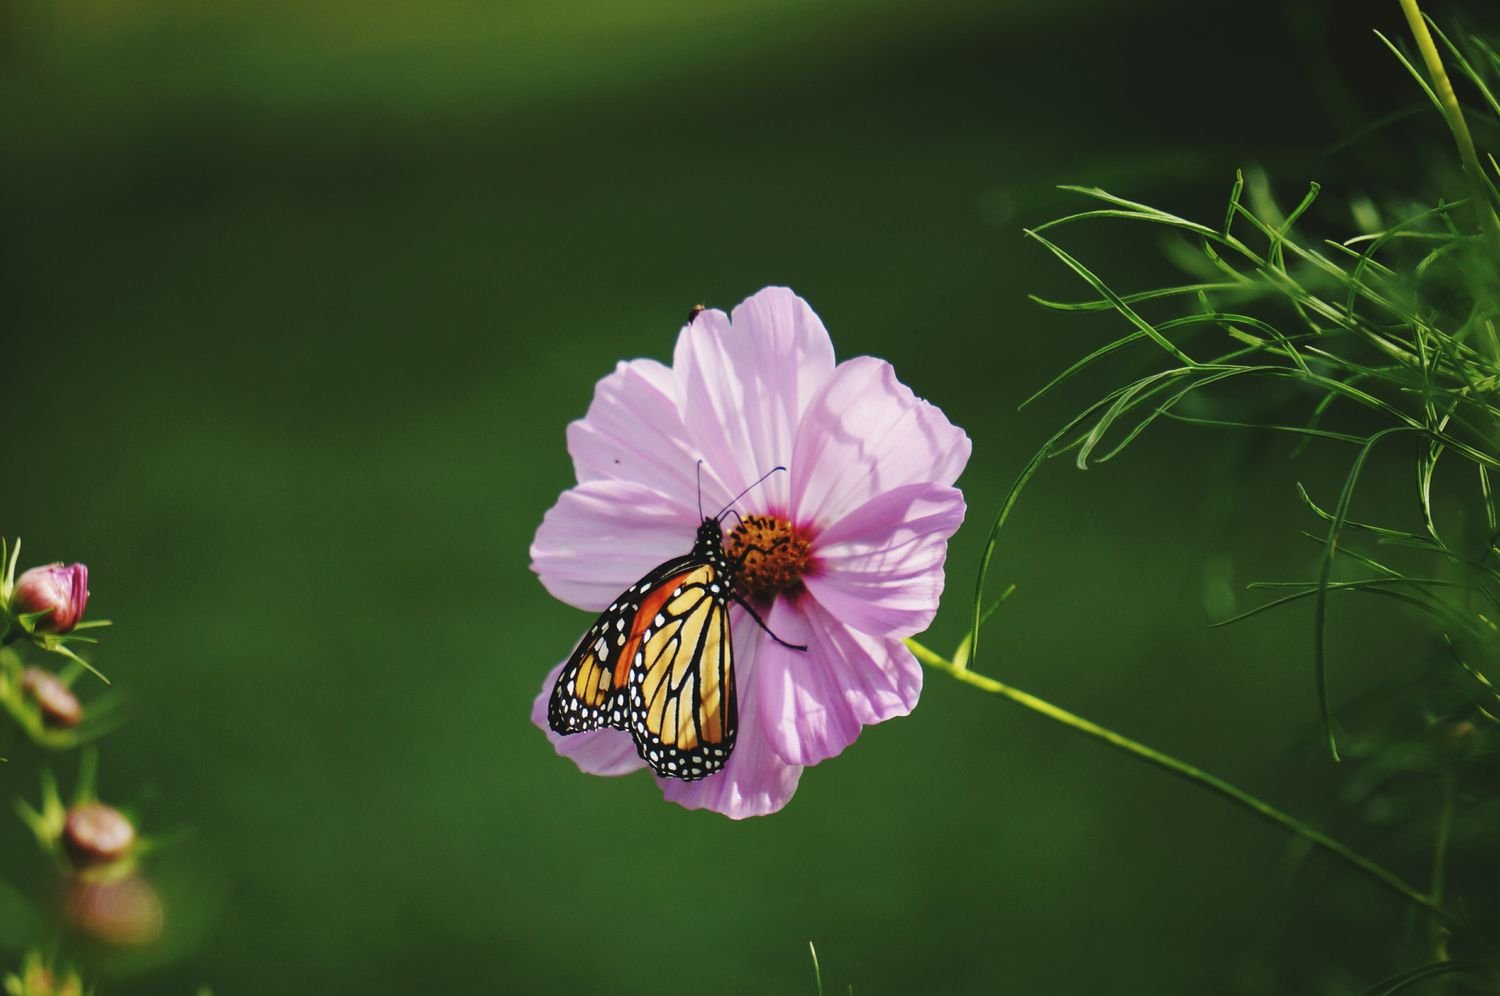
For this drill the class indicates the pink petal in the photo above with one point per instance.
(743, 385)
(597, 752)
(866, 433)
(603, 536)
(817, 701)
(633, 432)
(755, 781)
(880, 568)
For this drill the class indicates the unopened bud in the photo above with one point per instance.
(56, 700)
(122, 911)
(1459, 737)
(96, 834)
(61, 592)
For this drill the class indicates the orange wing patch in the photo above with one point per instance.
(674, 588)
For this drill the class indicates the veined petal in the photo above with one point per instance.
(880, 568)
(597, 752)
(743, 384)
(817, 701)
(633, 432)
(603, 536)
(755, 781)
(866, 433)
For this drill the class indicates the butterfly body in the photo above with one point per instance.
(658, 663)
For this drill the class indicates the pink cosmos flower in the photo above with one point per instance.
(863, 517)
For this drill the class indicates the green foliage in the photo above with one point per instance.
(1377, 351)
(1397, 324)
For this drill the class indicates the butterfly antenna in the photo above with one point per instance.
(742, 494)
(700, 488)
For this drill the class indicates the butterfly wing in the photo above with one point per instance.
(681, 709)
(590, 690)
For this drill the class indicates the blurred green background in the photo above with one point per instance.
(298, 301)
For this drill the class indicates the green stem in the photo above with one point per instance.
(1443, 87)
(1181, 768)
(1439, 865)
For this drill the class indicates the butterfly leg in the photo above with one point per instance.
(762, 624)
(745, 552)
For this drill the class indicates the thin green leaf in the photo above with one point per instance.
(1299, 430)
(1234, 202)
(1416, 74)
(59, 648)
(1103, 290)
(961, 653)
(1472, 671)
(1104, 304)
(1278, 241)
(1320, 609)
(1489, 497)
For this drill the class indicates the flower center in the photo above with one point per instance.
(774, 553)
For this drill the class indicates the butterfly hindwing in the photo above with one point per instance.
(682, 710)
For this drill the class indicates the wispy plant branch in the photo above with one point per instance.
(1182, 769)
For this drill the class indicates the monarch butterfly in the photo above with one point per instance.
(659, 662)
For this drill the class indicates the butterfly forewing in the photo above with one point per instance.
(590, 690)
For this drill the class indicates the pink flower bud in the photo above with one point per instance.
(96, 834)
(58, 703)
(123, 911)
(62, 590)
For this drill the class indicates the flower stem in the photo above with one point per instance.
(1453, 111)
(1438, 930)
(1182, 769)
